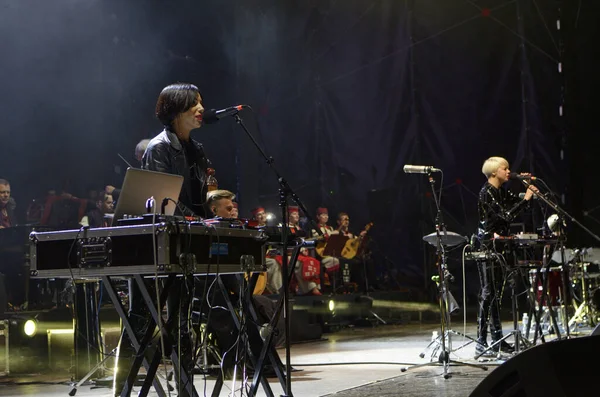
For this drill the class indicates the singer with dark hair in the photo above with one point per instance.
(179, 108)
(497, 208)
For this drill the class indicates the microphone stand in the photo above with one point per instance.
(440, 228)
(285, 192)
(562, 214)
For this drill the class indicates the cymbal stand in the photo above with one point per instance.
(584, 314)
(443, 296)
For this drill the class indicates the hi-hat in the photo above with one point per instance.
(449, 239)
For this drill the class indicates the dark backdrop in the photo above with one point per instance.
(344, 93)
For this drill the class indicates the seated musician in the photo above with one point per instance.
(361, 273)
(260, 216)
(330, 263)
(274, 277)
(7, 206)
(306, 269)
(220, 202)
(497, 208)
(97, 216)
(294, 220)
(235, 211)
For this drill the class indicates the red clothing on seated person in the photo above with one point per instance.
(311, 268)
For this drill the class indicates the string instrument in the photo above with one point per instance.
(352, 245)
(261, 283)
(320, 246)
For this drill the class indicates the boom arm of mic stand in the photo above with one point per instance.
(562, 212)
(283, 184)
(284, 191)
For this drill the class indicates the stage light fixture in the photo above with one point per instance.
(331, 305)
(30, 327)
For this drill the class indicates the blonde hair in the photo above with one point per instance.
(492, 164)
(215, 195)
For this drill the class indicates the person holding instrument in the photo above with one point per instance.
(497, 208)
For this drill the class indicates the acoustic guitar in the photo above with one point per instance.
(353, 245)
(320, 246)
(261, 283)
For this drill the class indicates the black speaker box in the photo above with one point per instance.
(558, 368)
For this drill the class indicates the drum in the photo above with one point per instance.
(555, 288)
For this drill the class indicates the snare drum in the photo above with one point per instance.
(554, 291)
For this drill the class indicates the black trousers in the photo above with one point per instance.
(178, 308)
(491, 281)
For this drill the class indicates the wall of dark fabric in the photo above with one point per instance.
(344, 93)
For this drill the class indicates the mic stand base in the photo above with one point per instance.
(436, 344)
(445, 361)
(443, 298)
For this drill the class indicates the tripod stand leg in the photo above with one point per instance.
(92, 372)
(382, 321)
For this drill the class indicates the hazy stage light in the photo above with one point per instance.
(331, 305)
(30, 327)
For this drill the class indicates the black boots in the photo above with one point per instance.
(503, 346)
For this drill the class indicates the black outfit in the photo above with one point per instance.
(497, 209)
(96, 218)
(9, 219)
(166, 153)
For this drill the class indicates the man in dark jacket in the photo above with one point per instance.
(96, 217)
(7, 217)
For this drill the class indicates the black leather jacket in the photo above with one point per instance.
(165, 153)
(497, 209)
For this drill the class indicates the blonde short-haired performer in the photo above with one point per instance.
(497, 209)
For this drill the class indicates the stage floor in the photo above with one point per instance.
(351, 362)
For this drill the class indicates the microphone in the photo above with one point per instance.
(211, 116)
(523, 177)
(522, 196)
(420, 169)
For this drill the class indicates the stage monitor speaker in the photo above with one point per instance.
(558, 368)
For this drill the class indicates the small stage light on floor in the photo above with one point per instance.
(22, 325)
(30, 327)
(331, 305)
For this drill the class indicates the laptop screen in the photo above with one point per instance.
(140, 185)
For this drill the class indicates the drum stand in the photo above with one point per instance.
(443, 238)
(583, 313)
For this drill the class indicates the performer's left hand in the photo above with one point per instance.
(531, 191)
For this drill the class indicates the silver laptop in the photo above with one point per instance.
(140, 185)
